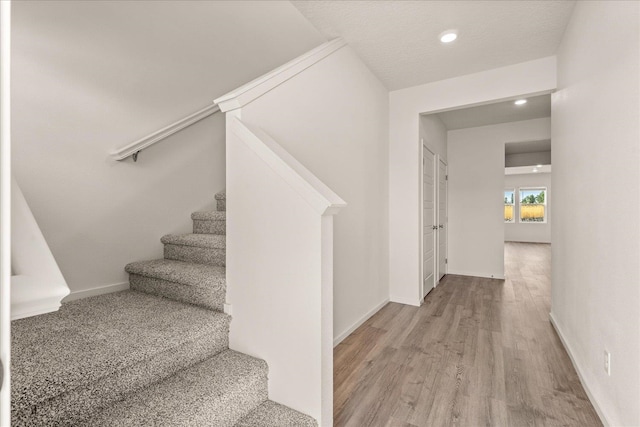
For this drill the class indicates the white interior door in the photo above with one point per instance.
(442, 219)
(428, 221)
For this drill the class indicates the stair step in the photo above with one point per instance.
(198, 284)
(92, 352)
(272, 414)
(217, 392)
(211, 241)
(198, 248)
(221, 201)
(209, 216)
(209, 222)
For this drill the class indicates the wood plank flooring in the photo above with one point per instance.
(478, 352)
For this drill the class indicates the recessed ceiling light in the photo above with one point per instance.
(538, 166)
(535, 170)
(448, 36)
(520, 102)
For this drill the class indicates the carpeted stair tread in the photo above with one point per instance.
(184, 273)
(217, 392)
(272, 414)
(209, 216)
(222, 195)
(95, 350)
(212, 241)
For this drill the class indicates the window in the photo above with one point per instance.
(533, 205)
(509, 207)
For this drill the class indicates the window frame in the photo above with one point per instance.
(546, 206)
(514, 191)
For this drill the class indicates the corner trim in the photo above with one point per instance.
(368, 315)
(576, 366)
(100, 290)
(258, 87)
(320, 197)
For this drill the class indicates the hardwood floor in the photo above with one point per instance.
(478, 352)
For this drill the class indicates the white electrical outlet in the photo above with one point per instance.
(607, 362)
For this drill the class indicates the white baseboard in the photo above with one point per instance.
(405, 301)
(576, 366)
(473, 274)
(529, 241)
(337, 340)
(86, 293)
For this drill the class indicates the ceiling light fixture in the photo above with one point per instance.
(538, 166)
(448, 36)
(520, 102)
(535, 170)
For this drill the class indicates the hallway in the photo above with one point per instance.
(477, 352)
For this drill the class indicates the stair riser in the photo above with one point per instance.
(196, 255)
(212, 298)
(220, 411)
(227, 410)
(68, 408)
(217, 392)
(221, 205)
(209, 227)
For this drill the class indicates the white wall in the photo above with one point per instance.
(434, 133)
(405, 106)
(527, 159)
(89, 77)
(596, 245)
(333, 118)
(529, 232)
(476, 201)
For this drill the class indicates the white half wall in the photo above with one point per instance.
(476, 198)
(405, 107)
(37, 285)
(529, 232)
(280, 268)
(333, 119)
(89, 77)
(596, 182)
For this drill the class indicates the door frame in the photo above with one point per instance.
(446, 220)
(423, 146)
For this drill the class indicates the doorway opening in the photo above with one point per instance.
(471, 158)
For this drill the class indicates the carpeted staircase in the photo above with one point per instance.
(155, 355)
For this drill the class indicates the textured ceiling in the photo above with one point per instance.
(527, 147)
(500, 112)
(399, 39)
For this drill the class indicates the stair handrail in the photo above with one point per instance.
(132, 150)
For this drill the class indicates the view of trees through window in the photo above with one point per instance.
(533, 204)
(509, 205)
